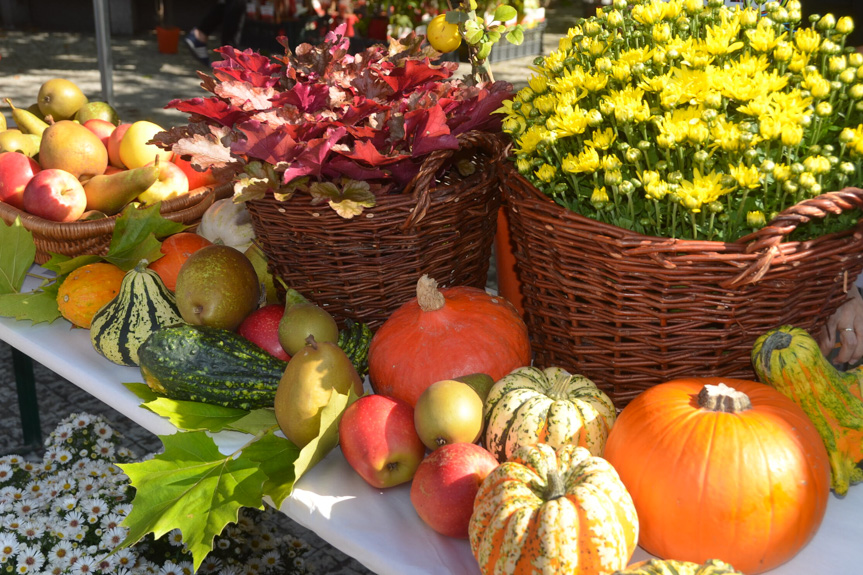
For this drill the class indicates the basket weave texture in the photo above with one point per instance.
(630, 311)
(442, 224)
(93, 237)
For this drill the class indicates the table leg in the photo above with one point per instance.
(27, 405)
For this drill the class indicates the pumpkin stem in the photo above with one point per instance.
(554, 488)
(723, 398)
(428, 296)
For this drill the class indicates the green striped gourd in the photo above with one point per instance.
(551, 406)
(789, 359)
(142, 306)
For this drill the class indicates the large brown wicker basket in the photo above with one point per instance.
(630, 311)
(364, 268)
(93, 237)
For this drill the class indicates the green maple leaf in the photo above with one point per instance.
(193, 487)
(135, 236)
(328, 436)
(17, 253)
(36, 307)
(194, 415)
(348, 201)
(274, 456)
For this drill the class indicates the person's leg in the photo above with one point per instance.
(232, 22)
(196, 39)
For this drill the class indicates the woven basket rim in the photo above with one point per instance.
(770, 235)
(105, 225)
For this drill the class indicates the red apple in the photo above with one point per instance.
(171, 183)
(379, 440)
(196, 179)
(113, 170)
(55, 195)
(261, 327)
(446, 484)
(114, 145)
(102, 128)
(16, 170)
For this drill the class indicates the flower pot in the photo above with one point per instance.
(168, 39)
(508, 284)
(630, 311)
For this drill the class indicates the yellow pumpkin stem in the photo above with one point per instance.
(723, 398)
(554, 488)
(429, 297)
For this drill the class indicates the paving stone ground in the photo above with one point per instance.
(144, 81)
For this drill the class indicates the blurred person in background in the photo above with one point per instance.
(226, 17)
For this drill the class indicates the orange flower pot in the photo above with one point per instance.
(168, 39)
(508, 284)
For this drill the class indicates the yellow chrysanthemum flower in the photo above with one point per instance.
(587, 161)
(763, 38)
(746, 176)
(702, 189)
(546, 173)
(807, 40)
(602, 139)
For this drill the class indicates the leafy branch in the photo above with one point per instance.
(480, 35)
(194, 487)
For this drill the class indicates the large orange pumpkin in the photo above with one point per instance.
(85, 290)
(443, 334)
(552, 511)
(721, 468)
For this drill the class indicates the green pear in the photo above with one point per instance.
(217, 286)
(60, 98)
(14, 140)
(26, 121)
(302, 319)
(310, 378)
(448, 411)
(98, 111)
(3, 125)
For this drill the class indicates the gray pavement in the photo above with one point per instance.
(144, 81)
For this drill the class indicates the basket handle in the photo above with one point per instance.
(423, 183)
(767, 239)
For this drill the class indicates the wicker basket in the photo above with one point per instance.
(93, 237)
(630, 311)
(364, 268)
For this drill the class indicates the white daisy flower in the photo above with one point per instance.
(85, 566)
(30, 530)
(60, 553)
(210, 565)
(124, 558)
(5, 472)
(112, 537)
(8, 545)
(30, 557)
(170, 568)
(75, 520)
(175, 537)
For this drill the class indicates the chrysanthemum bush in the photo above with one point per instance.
(64, 515)
(692, 120)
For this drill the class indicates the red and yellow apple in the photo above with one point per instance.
(55, 195)
(446, 483)
(16, 170)
(379, 440)
(261, 327)
(171, 183)
(102, 128)
(114, 146)
(135, 149)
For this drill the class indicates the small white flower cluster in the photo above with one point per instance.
(64, 515)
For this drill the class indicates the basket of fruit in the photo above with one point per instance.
(69, 167)
(360, 172)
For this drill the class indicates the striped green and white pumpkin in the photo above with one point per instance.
(551, 406)
(142, 306)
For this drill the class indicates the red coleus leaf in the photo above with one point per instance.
(270, 144)
(305, 97)
(310, 161)
(413, 74)
(214, 109)
(368, 153)
(338, 166)
(246, 66)
(429, 131)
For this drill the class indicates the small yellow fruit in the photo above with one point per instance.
(443, 36)
(135, 152)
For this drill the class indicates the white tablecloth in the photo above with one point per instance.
(377, 527)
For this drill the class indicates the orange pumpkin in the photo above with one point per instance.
(443, 334)
(85, 290)
(177, 249)
(721, 468)
(547, 511)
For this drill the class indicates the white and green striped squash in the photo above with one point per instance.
(551, 406)
(142, 306)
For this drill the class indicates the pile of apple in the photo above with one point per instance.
(68, 159)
